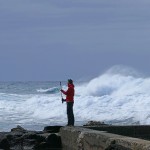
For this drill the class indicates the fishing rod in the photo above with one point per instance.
(62, 99)
(61, 88)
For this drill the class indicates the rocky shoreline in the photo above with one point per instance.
(21, 139)
(56, 137)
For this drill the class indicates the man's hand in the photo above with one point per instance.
(63, 100)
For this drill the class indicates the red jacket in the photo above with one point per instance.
(69, 93)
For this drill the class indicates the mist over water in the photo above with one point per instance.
(118, 96)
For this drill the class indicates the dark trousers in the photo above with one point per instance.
(70, 114)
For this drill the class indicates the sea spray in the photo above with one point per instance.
(117, 98)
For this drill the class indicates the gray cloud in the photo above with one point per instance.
(85, 36)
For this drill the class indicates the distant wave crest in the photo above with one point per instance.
(52, 90)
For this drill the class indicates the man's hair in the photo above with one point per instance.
(70, 81)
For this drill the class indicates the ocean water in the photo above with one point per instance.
(118, 96)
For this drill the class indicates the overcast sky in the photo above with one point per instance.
(60, 39)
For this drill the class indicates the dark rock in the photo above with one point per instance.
(54, 141)
(18, 129)
(4, 144)
(95, 123)
(114, 146)
(35, 136)
(52, 129)
(41, 146)
(117, 147)
(21, 139)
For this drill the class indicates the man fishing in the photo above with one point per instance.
(70, 101)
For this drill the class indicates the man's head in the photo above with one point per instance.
(70, 81)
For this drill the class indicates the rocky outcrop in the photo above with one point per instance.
(77, 138)
(22, 139)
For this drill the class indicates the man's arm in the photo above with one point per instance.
(65, 92)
